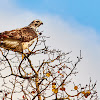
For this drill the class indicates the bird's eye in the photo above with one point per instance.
(37, 21)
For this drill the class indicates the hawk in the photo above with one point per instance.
(20, 39)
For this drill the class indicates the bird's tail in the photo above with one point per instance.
(0, 36)
(1, 42)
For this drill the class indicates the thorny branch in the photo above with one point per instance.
(41, 74)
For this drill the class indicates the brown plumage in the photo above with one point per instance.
(20, 39)
(25, 34)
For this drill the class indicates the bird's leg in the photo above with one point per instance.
(29, 49)
(23, 55)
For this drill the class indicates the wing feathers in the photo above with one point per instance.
(25, 34)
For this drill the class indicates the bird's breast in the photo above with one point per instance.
(26, 45)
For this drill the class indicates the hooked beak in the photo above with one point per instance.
(41, 23)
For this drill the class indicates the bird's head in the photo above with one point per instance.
(35, 24)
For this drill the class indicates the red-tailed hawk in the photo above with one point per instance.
(20, 39)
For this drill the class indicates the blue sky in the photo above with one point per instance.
(85, 12)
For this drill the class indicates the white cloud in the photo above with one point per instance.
(76, 37)
(65, 35)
